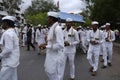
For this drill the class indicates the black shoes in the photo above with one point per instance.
(39, 54)
(94, 73)
(91, 69)
(72, 78)
(109, 64)
(103, 67)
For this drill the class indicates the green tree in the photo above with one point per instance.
(104, 10)
(36, 19)
(37, 12)
(12, 5)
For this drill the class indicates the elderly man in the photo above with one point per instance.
(55, 46)
(10, 50)
(71, 39)
(110, 37)
(95, 38)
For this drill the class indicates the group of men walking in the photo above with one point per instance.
(60, 44)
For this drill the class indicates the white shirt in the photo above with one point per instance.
(73, 40)
(55, 46)
(10, 48)
(95, 36)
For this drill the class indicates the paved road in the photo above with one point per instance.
(32, 67)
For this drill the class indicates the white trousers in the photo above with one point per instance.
(104, 53)
(8, 73)
(71, 58)
(32, 38)
(24, 39)
(109, 48)
(57, 75)
(84, 46)
(93, 51)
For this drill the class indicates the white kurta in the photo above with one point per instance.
(40, 37)
(10, 55)
(54, 53)
(24, 37)
(83, 38)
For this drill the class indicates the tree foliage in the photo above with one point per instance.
(36, 13)
(104, 10)
(36, 19)
(11, 5)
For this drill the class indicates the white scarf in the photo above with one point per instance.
(52, 31)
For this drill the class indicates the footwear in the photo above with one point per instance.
(91, 69)
(28, 50)
(103, 67)
(34, 49)
(39, 54)
(102, 60)
(94, 73)
(72, 78)
(109, 64)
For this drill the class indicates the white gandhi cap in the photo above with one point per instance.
(69, 20)
(53, 14)
(107, 24)
(94, 23)
(39, 25)
(103, 26)
(12, 18)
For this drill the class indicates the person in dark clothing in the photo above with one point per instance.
(29, 38)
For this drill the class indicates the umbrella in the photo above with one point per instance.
(75, 17)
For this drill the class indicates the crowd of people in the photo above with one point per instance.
(59, 43)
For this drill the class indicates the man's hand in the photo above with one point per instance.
(66, 43)
(42, 46)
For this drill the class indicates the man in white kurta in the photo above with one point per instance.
(94, 38)
(10, 50)
(110, 37)
(103, 48)
(24, 36)
(55, 46)
(71, 39)
(83, 35)
(40, 38)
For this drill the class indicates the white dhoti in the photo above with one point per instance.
(8, 73)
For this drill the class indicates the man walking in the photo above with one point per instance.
(110, 37)
(71, 39)
(10, 50)
(94, 38)
(29, 37)
(55, 46)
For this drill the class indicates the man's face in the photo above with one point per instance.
(68, 24)
(94, 26)
(49, 20)
(107, 27)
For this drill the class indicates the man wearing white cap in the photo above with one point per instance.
(54, 48)
(71, 39)
(40, 38)
(83, 34)
(103, 48)
(24, 35)
(10, 50)
(94, 38)
(110, 37)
